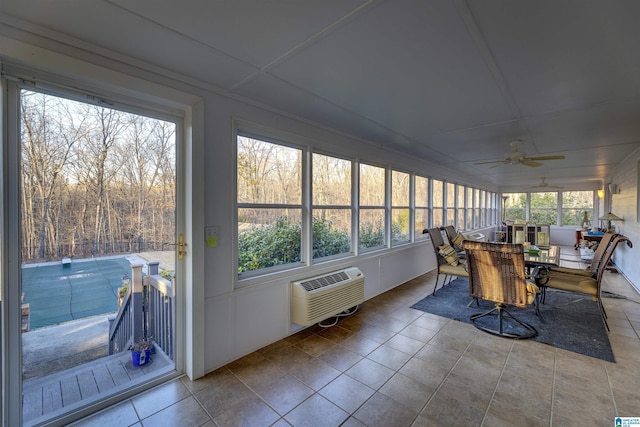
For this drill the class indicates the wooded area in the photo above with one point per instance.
(95, 180)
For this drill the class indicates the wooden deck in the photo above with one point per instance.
(49, 396)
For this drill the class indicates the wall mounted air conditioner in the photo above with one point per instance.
(318, 298)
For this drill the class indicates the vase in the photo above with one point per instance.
(586, 224)
(139, 358)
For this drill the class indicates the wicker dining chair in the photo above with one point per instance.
(497, 274)
(445, 268)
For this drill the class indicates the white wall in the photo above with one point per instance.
(625, 205)
(242, 317)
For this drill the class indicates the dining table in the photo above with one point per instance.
(537, 260)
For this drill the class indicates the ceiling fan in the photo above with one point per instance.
(516, 157)
(544, 184)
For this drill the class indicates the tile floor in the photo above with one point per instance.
(389, 365)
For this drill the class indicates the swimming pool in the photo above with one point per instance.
(86, 287)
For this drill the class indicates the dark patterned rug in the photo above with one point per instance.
(568, 321)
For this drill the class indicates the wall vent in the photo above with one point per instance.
(317, 298)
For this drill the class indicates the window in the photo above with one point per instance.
(574, 205)
(493, 200)
(372, 207)
(421, 202)
(469, 208)
(483, 208)
(331, 207)
(438, 203)
(544, 207)
(296, 206)
(400, 207)
(515, 207)
(451, 204)
(460, 207)
(269, 180)
(476, 208)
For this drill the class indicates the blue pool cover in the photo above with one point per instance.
(58, 293)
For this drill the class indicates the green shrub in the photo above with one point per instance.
(279, 243)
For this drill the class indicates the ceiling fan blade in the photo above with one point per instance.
(493, 161)
(502, 163)
(546, 158)
(545, 186)
(529, 162)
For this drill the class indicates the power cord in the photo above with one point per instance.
(339, 315)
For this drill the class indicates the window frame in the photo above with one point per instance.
(350, 208)
(386, 221)
(403, 207)
(304, 239)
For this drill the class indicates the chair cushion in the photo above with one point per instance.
(573, 283)
(449, 254)
(457, 270)
(532, 290)
(570, 270)
(457, 242)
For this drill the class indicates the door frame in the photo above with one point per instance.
(188, 114)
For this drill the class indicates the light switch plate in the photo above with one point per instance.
(211, 236)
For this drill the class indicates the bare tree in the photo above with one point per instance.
(49, 132)
(93, 178)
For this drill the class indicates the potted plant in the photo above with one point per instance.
(141, 351)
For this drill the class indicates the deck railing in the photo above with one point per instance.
(147, 311)
(160, 309)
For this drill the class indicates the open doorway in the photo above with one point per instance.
(97, 214)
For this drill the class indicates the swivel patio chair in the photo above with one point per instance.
(455, 239)
(449, 264)
(497, 274)
(587, 285)
(592, 268)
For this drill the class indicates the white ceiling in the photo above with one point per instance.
(452, 82)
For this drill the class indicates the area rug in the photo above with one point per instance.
(568, 320)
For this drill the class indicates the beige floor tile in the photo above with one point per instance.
(382, 411)
(340, 358)
(360, 344)
(282, 394)
(315, 345)
(225, 393)
(185, 412)
(389, 357)
(336, 333)
(315, 374)
(445, 409)
(347, 393)
(250, 412)
(159, 398)
(425, 372)
(431, 322)
(316, 411)
(627, 402)
(121, 414)
(377, 333)
(370, 373)
(418, 333)
(574, 403)
(405, 344)
(407, 391)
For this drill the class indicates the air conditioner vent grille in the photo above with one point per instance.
(324, 281)
(317, 298)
